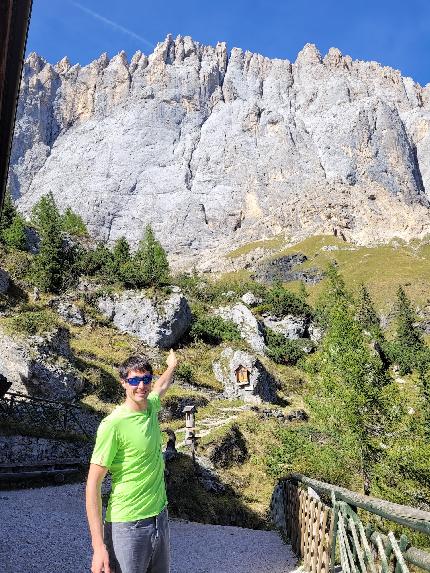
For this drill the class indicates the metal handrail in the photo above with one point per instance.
(66, 410)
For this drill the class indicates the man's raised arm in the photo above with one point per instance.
(162, 384)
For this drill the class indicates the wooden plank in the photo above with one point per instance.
(40, 473)
(302, 523)
(316, 537)
(322, 542)
(66, 462)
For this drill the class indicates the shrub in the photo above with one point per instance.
(285, 351)
(280, 301)
(184, 371)
(214, 330)
(32, 322)
(72, 224)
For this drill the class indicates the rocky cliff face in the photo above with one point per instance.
(217, 149)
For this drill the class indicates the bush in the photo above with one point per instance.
(280, 301)
(285, 351)
(214, 330)
(72, 224)
(32, 322)
(184, 371)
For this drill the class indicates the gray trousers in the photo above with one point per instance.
(141, 546)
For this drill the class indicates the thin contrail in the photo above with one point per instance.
(111, 23)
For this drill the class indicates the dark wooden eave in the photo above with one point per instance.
(14, 20)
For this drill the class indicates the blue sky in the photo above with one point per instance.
(394, 33)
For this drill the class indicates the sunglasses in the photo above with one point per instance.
(135, 380)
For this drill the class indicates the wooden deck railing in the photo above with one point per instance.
(325, 533)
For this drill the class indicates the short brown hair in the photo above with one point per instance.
(134, 363)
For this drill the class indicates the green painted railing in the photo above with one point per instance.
(322, 524)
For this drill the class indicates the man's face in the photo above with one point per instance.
(137, 394)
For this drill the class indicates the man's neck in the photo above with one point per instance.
(136, 406)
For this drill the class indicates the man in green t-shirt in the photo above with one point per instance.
(135, 537)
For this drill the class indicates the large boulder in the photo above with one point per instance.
(292, 327)
(249, 328)
(244, 376)
(157, 324)
(40, 365)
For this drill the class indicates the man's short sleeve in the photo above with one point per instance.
(106, 445)
(154, 400)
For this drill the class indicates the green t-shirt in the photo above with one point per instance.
(129, 444)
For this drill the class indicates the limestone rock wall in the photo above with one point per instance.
(215, 149)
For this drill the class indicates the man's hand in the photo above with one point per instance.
(171, 360)
(163, 383)
(100, 562)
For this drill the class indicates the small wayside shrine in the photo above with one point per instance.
(243, 375)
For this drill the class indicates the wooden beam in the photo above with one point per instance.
(14, 19)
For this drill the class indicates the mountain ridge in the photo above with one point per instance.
(218, 149)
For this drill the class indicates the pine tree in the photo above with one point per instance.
(8, 212)
(48, 265)
(150, 261)
(350, 392)
(366, 313)
(408, 344)
(72, 224)
(15, 235)
(12, 225)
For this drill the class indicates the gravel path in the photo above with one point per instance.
(45, 531)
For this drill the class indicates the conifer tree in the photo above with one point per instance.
(408, 345)
(366, 313)
(48, 265)
(73, 224)
(12, 225)
(15, 235)
(350, 391)
(150, 261)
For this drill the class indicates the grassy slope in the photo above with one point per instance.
(382, 268)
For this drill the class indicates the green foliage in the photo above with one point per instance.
(366, 313)
(149, 265)
(214, 330)
(280, 301)
(32, 322)
(15, 235)
(48, 264)
(334, 291)
(408, 349)
(284, 351)
(350, 394)
(97, 262)
(12, 225)
(73, 224)
(305, 449)
(8, 212)
(185, 372)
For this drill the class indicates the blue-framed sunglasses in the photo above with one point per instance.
(136, 380)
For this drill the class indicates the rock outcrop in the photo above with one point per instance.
(292, 327)
(247, 324)
(159, 324)
(40, 365)
(217, 149)
(244, 376)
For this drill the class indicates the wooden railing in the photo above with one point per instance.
(322, 524)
